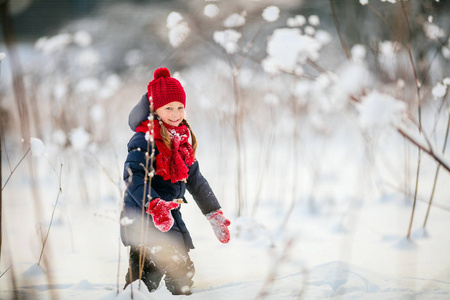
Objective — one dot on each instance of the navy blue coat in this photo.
(134, 174)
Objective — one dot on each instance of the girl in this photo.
(151, 222)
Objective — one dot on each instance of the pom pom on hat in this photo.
(164, 89)
(161, 72)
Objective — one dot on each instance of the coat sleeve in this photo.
(134, 174)
(139, 113)
(200, 190)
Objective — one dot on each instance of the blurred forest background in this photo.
(273, 132)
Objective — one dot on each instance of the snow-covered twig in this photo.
(249, 47)
(149, 160)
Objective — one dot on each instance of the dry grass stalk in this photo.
(53, 214)
(436, 175)
(149, 160)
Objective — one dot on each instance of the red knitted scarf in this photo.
(171, 163)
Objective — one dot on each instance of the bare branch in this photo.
(380, 16)
(5, 271)
(12, 172)
(338, 29)
(428, 150)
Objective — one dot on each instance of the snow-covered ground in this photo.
(355, 249)
(371, 261)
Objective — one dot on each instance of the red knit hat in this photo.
(165, 89)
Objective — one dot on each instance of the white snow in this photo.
(59, 137)
(211, 10)
(388, 56)
(388, 48)
(89, 85)
(297, 21)
(370, 261)
(291, 22)
(287, 48)
(228, 39)
(271, 13)
(88, 58)
(322, 37)
(234, 20)
(125, 221)
(113, 82)
(60, 91)
(379, 110)
(301, 20)
(173, 19)
(82, 38)
(133, 57)
(97, 113)
(439, 90)
(309, 30)
(314, 20)
(148, 136)
(358, 53)
(446, 52)
(54, 44)
(178, 29)
(271, 99)
(79, 138)
(178, 34)
(352, 79)
(433, 31)
(37, 147)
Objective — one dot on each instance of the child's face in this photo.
(172, 113)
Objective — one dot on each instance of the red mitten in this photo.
(219, 224)
(160, 211)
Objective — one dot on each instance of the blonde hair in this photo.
(166, 135)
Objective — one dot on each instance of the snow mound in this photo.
(34, 271)
(248, 229)
(131, 292)
(84, 285)
(125, 296)
(35, 275)
(341, 280)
